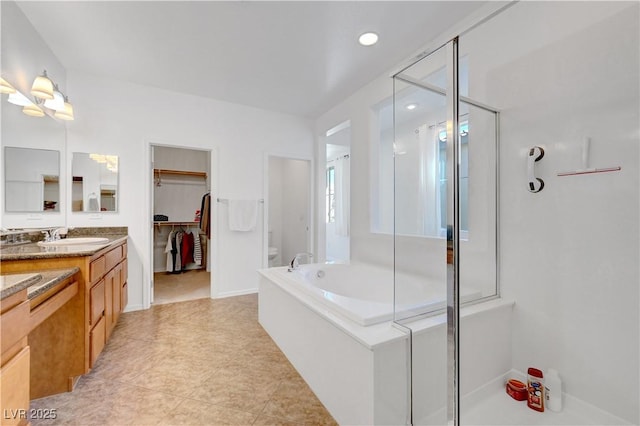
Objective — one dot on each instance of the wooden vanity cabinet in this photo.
(108, 282)
(14, 359)
(93, 311)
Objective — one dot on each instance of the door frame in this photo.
(212, 248)
(310, 207)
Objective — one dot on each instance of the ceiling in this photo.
(300, 58)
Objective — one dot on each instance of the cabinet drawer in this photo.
(14, 325)
(14, 388)
(113, 257)
(98, 335)
(97, 302)
(97, 269)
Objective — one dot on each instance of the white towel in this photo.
(243, 215)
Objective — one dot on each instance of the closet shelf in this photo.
(179, 173)
(169, 223)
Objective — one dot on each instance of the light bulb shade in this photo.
(33, 110)
(57, 103)
(19, 99)
(42, 87)
(66, 113)
(6, 87)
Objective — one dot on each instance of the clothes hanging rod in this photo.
(226, 200)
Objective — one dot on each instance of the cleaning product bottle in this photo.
(554, 390)
(535, 389)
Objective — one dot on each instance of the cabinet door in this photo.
(117, 289)
(97, 302)
(108, 297)
(98, 339)
(14, 325)
(97, 268)
(14, 392)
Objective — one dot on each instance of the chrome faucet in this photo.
(53, 234)
(56, 233)
(295, 262)
(47, 236)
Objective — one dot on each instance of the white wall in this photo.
(125, 119)
(24, 56)
(569, 255)
(178, 196)
(239, 136)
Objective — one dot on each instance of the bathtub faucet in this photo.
(295, 262)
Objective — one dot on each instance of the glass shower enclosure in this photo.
(445, 220)
(491, 275)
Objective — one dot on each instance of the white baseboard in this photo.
(131, 308)
(235, 293)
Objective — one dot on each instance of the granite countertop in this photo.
(36, 282)
(34, 251)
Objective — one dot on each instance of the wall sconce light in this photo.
(6, 87)
(46, 95)
(57, 102)
(33, 110)
(42, 87)
(66, 113)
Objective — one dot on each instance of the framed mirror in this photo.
(31, 180)
(94, 182)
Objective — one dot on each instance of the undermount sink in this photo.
(74, 241)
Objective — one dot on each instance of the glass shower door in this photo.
(445, 222)
(420, 229)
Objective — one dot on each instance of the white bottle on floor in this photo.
(554, 390)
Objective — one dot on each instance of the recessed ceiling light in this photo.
(411, 106)
(368, 39)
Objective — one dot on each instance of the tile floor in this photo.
(201, 362)
(190, 285)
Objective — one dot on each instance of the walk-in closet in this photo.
(181, 228)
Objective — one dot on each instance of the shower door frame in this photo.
(453, 149)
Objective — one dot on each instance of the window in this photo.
(331, 195)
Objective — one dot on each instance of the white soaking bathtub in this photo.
(364, 292)
(334, 324)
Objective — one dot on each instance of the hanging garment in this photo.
(169, 251)
(177, 266)
(205, 213)
(197, 250)
(187, 250)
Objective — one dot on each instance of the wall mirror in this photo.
(31, 180)
(94, 182)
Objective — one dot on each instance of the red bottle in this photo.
(535, 389)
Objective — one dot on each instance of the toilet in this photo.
(272, 253)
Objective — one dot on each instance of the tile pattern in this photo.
(190, 285)
(201, 362)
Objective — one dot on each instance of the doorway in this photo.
(289, 210)
(181, 240)
(338, 193)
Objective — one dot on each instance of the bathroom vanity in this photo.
(59, 305)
